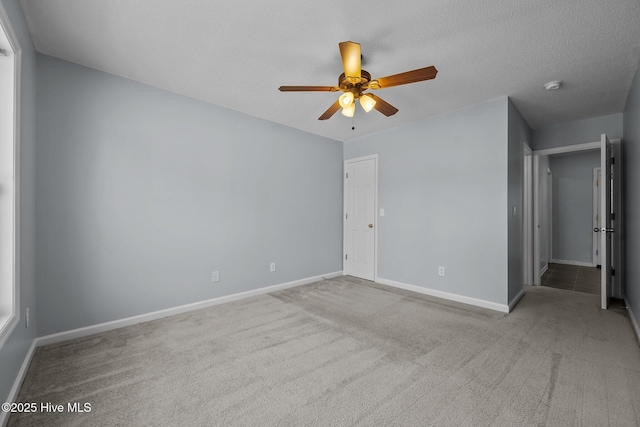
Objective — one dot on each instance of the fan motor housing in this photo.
(346, 86)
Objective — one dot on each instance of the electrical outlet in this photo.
(215, 277)
(381, 211)
(26, 318)
(441, 271)
(272, 267)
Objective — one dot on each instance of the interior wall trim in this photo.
(634, 320)
(115, 324)
(568, 262)
(568, 148)
(13, 318)
(504, 308)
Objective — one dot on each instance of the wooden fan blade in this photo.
(350, 53)
(308, 88)
(383, 106)
(418, 75)
(331, 111)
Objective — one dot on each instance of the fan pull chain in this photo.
(353, 122)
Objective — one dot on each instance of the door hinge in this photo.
(613, 271)
(613, 215)
(347, 175)
(613, 160)
(345, 256)
(346, 216)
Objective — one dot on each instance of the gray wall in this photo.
(573, 205)
(577, 132)
(14, 350)
(631, 184)
(143, 193)
(519, 133)
(443, 185)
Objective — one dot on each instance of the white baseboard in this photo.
(13, 394)
(544, 269)
(634, 320)
(446, 295)
(515, 300)
(578, 263)
(115, 324)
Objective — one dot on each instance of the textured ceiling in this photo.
(236, 54)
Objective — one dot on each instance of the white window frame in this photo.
(9, 321)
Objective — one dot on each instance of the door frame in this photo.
(619, 221)
(528, 240)
(619, 224)
(536, 221)
(606, 202)
(375, 211)
(549, 215)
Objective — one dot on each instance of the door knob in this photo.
(370, 225)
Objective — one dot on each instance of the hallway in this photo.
(572, 278)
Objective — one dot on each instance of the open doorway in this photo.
(568, 203)
(557, 188)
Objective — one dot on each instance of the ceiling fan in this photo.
(355, 81)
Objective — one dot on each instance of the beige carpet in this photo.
(345, 352)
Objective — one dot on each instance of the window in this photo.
(9, 89)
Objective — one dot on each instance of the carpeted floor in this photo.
(346, 352)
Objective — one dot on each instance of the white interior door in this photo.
(606, 153)
(360, 204)
(597, 215)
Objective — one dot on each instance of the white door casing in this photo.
(536, 220)
(527, 220)
(606, 227)
(617, 220)
(360, 226)
(549, 215)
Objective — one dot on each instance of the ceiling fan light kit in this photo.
(346, 99)
(355, 81)
(367, 102)
(349, 110)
